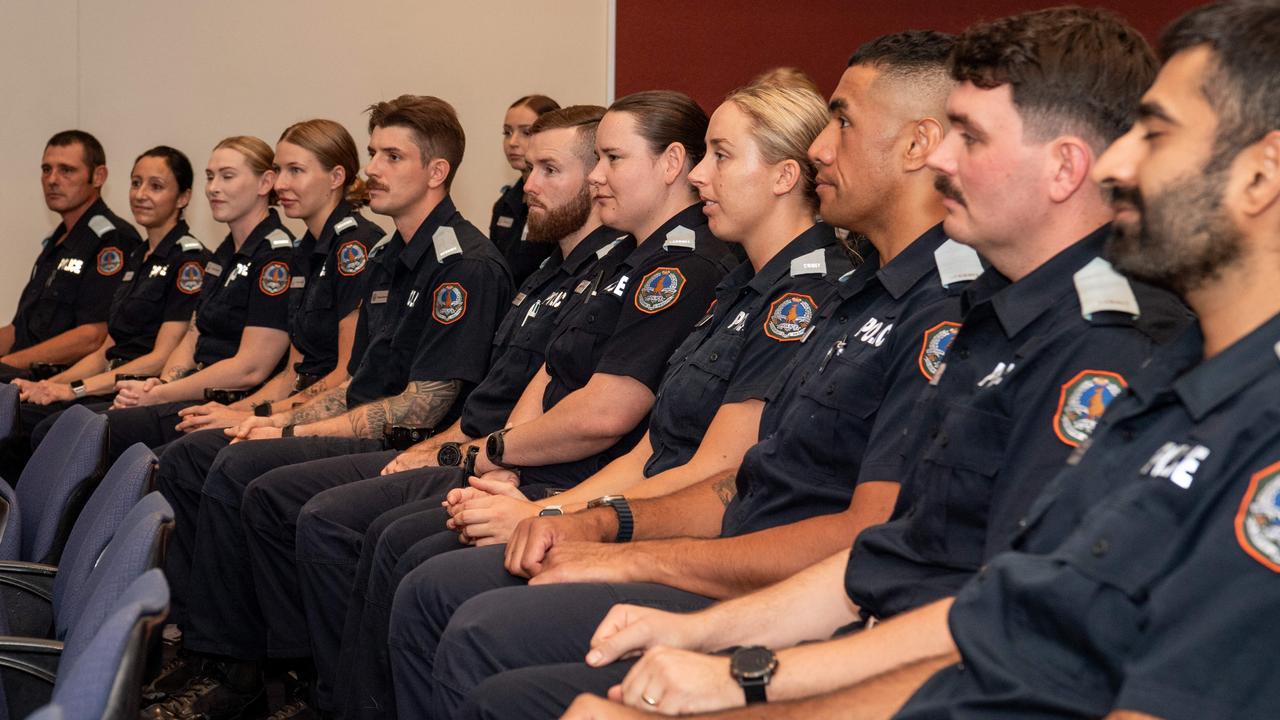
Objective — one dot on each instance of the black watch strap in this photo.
(262, 409)
(495, 448)
(469, 461)
(626, 521)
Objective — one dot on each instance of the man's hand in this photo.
(487, 512)
(266, 432)
(420, 455)
(593, 707)
(535, 537)
(210, 415)
(679, 682)
(43, 392)
(587, 562)
(629, 630)
(246, 426)
(136, 393)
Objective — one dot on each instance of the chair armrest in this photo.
(28, 667)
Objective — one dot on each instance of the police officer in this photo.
(318, 182)
(239, 335)
(431, 306)
(510, 212)
(62, 313)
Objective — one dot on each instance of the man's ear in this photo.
(98, 177)
(437, 172)
(1070, 160)
(926, 135)
(1262, 163)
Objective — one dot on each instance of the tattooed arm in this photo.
(422, 404)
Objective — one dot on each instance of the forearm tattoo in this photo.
(727, 488)
(422, 404)
(330, 404)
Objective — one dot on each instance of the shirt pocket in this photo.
(694, 387)
(837, 406)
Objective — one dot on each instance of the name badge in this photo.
(213, 269)
(506, 222)
(298, 281)
(378, 297)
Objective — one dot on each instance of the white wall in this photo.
(139, 73)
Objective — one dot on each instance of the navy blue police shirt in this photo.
(244, 288)
(1146, 576)
(519, 346)
(509, 231)
(744, 342)
(627, 319)
(327, 286)
(867, 358)
(430, 309)
(1023, 384)
(74, 281)
(156, 288)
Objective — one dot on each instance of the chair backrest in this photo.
(121, 488)
(8, 409)
(52, 711)
(60, 470)
(137, 547)
(100, 674)
(11, 532)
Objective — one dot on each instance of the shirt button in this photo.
(943, 439)
(591, 318)
(713, 357)
(1023, 523)
(963, 353)
(843, 318)
(1100, 547)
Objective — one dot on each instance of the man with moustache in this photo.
(62, 313)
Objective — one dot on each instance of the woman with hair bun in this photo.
(507, 228)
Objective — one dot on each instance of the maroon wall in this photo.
(708, 47)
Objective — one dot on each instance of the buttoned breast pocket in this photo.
(837, 405)
(578, 348)
(697, 380)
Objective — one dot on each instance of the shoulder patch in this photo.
(279, 239)
(100, 225)
(274, 278)
(110, 260)
(344, 225)
(659, 290)
(790, 316)
(445, 242)
(1258, 520)
(449, 303)
(352, 258)
(933, 349)
(190, 244)
(190, 277)
(1102, 289)
(811, 263)
(1081, 403)
(956, 263)
(680, 237)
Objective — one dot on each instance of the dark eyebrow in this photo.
(1153, 110)
(837, 105)
(967, 122)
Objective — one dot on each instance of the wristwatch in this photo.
(449, 455)
(262, 409)
(626, 521)
(287, 431)
(753, 667)
(78, 389)
(469, 461)
(550, 510)
(495, 446)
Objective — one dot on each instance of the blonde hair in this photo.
(333, 147)
(257, 153)
(787, 77)
(785, 120)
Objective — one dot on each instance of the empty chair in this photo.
(58, 480)
(8, 409)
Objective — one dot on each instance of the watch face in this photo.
(753, 662)
(449, 455)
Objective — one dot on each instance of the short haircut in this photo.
(1070, 69)
(907, 52)
(1242, 83)
(176, 161)
(665, 117)
(434, 125)
(94, 155)
(582, 118)
(539, 104)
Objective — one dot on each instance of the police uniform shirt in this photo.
(634, 311)
(73, 281)
(1146, 578)
(869, 355)
(327, 285)
(520, 344)
(508, 231)
(1025, 381)
(244, 288)
(744, 342)
(430, 310)
(154, 289)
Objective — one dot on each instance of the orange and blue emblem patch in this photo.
(933, 349)
(110, 260)
(789, 317)
(1258, 520)
(274, 278)
(1081, 403)
(190, 277)
(659, 290)
(352, 257)
(449, 303)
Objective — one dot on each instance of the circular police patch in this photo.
(352, 257)
(1258, 520)
(789, 317)
(1082, 402)
(190, 277)
(934, 347)
(110, 260)
(274, 278)
(659, 290)
(449, 303)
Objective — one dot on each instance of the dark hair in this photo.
(583, 118)
(907, 52)
(178, 164)
(434, 124)
(94, 155)
(539, 104)
(1242, 82)
(1070, 69)
(664, 117)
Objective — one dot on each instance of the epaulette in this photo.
(344, 225)
(100, 225)
(609, 247)
(956, 263)
(386, 238)
(1101, 289)
(190, 244)
(681, 237)
(811, 263)
(445, 241)
(279, 239)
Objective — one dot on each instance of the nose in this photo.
(698, 175)
(1118, 164)
(943, 158)
(596, 177)
(821, 150)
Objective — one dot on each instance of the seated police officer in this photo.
(1049, 334)
(1144, 575)
(508, 225)
(62, 313)
(432, 303)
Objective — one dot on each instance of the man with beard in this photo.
(1143, 582)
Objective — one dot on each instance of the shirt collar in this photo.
(325, 241)
(691, 217)
(169, 240)
(913, 263)
(1230, 372)
(422, 242)
(586, 250)
(818, 236)
(99, 207)
(259, 233)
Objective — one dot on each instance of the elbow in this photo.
(608, 426)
